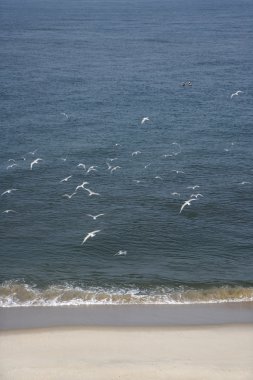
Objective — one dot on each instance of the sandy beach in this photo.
(102, 353)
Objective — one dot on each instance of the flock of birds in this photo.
(111, 168)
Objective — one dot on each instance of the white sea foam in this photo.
(19, 294)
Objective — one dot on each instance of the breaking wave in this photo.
(14, 293)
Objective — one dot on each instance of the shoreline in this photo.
(34, 317)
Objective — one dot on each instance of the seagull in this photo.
(92, 169)
(94, 217)
(178, 171)
(63, 159)
(137, 180)
(33, 153)
(81, 186)
(146, 166)
(64, 114)
(236, 93)
(135, 153)
(196, 195)
(11, 166)
(66, 179)
(186, 203)
(167, 155)
(121, 253)
(193, 187)
(9, 191)
(90, 235)
(115, 168)
(109, 166)
(8, 211)
(245, 183)
(69, 196)
(144, 119)
(80, 165)
(35, 162)
(12, 159)
(112, 159)
(158, 177)
(175, 193)
(91, 192)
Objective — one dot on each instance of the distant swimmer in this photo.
(236, 93)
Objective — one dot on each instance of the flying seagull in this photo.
(80, 165)
(35, 162)
(121, 253)
(94, 217)
(69, 196)
(186, 203)
(90, 192)
(144, 119)
(66, 179)
(90, 235)
(236, 93)
(9, 191)
(81, 186)
(8, 211)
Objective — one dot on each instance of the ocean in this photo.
(77, 80)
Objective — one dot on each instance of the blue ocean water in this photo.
(77, 78)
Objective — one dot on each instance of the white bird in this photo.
(193, 187)
(64, 114)
(69, 196)
(115, 168)
(90, 235)
(35, 162)
(91, 192)
(158, 177)
(236, 93)
(196, 195)
(186, 203)
(109, 166)
(244, 183)
(178, 171)
(8, 211)
(9, 191)
(63, 159)
(146, 166)
(33, 153)
(92, 169)
(80, 165)
(81, 186)
(144, 119)
(11, 166)
(66, 179)
(135, 153)
(121, 253)
(167, 155)
(94, 217)
(175, 193)
(137, 180)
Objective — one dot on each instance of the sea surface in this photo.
(77, 79)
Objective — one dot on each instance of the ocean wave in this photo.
(14, 293)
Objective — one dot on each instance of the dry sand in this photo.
(128, 353)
